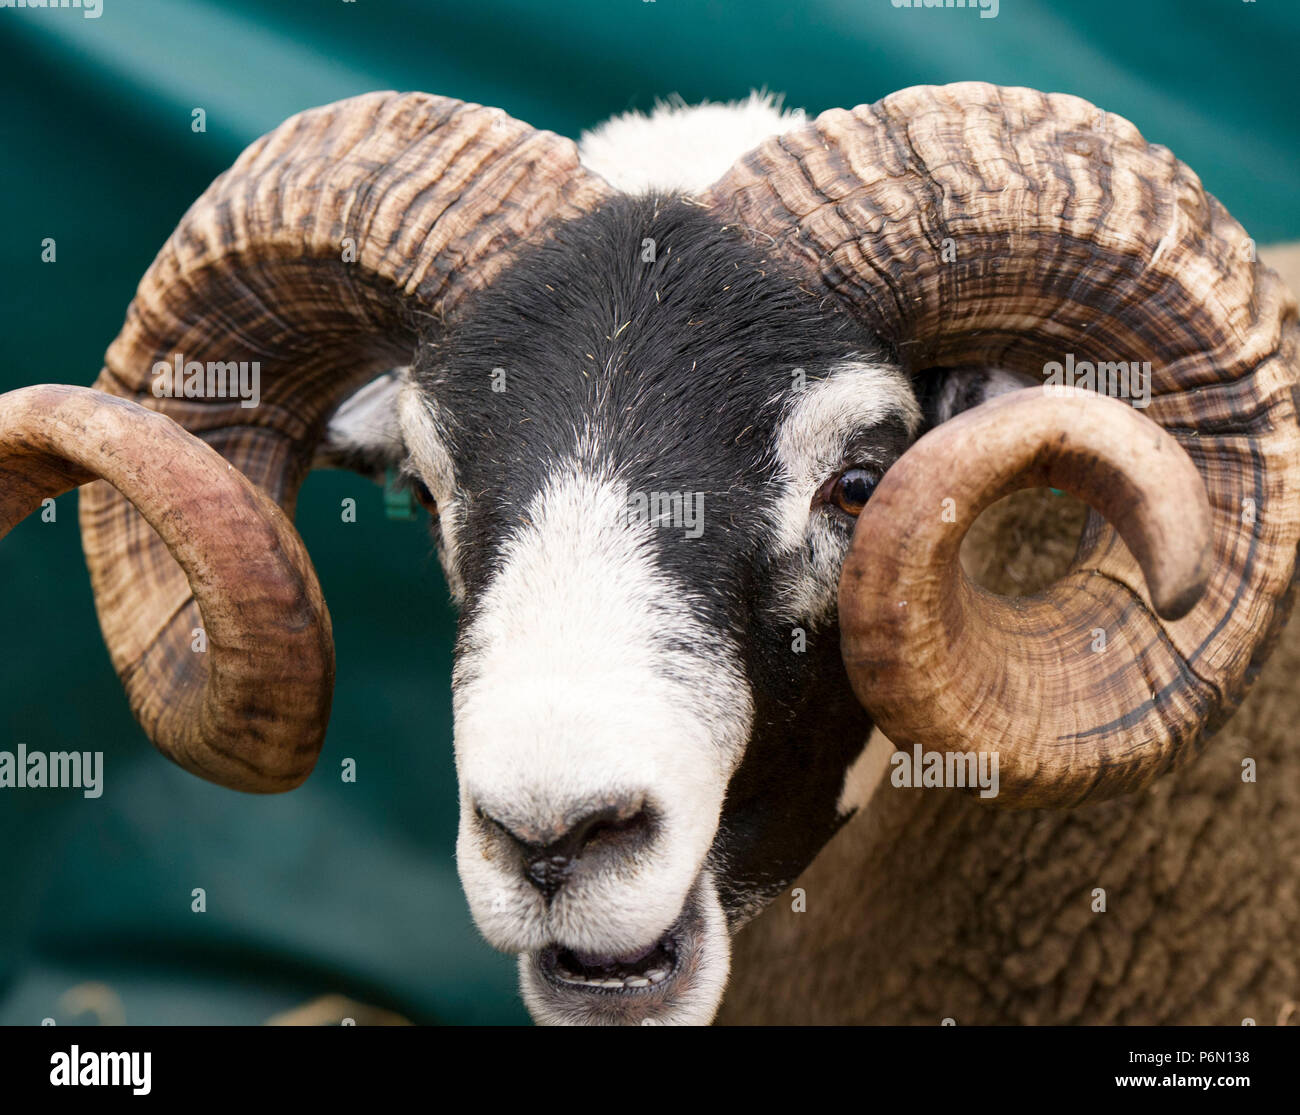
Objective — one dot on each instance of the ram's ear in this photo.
(947, 392)
(364, 435)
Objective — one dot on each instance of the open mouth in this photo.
(642, 970)
(677, 979)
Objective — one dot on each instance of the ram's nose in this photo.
(550, 851)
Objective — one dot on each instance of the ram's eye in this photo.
(423, 495)
(850, 490)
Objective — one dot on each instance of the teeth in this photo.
(608, 981)
(656, 975)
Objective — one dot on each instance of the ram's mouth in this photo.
(679, 978)
(639, 971)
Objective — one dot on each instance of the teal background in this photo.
(352, 887)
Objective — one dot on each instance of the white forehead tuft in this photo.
(680, 147)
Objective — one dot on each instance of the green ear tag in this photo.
(398, 501)
(1056, 491)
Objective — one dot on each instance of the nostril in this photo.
(612, 833)
(610, 825)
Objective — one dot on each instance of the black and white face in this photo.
(647, 451)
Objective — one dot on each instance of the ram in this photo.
(813, 335)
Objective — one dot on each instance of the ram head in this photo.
(699, 465)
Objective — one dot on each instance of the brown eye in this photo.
(424, 496)
(851, 489)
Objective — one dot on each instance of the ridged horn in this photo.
(971, 224)
(323, 254)
(267, 646)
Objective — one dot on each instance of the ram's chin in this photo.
(678, 981)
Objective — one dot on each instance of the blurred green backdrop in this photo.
(352, 888)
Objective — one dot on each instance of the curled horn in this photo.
(971, 224)
(270, 656)
(323, 255)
